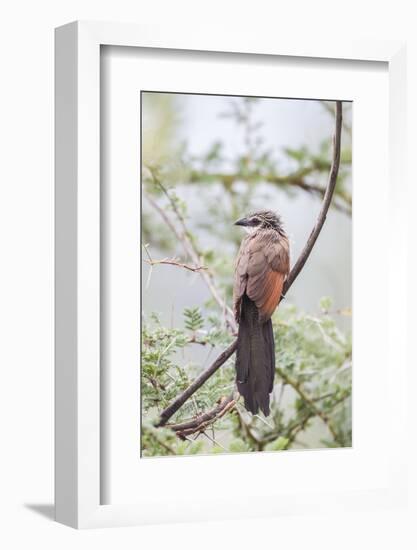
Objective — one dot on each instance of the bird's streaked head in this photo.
(264, 219)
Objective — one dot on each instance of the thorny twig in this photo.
(175, 261)
(201, 422)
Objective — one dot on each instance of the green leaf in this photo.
(296, 154)
(279, 444)
(193, 319)
(239, 446)
(325, 304)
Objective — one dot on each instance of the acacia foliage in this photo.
(313, 385)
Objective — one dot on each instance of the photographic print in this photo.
(246, 286)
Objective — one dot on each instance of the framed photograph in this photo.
(225, 335)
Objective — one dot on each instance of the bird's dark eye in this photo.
(255, 221)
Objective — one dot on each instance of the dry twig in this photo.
(201, 422)
(175, 261)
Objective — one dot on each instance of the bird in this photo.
(261, 269)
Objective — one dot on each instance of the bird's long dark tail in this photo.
(255, 358)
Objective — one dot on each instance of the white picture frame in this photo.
(78, 426)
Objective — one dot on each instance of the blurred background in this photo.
(207, 161)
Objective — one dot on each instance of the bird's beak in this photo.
(242, 221)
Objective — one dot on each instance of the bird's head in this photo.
(264, 219)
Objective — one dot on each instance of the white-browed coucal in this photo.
(262, 266)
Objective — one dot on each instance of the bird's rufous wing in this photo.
(261, 269)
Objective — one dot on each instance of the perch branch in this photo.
(327, 199)
(228, 352)
(198, 382)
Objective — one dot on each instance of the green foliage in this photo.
(311, 403)
(239, 446)
(280, 444)
(193, 319)
(326, 304)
